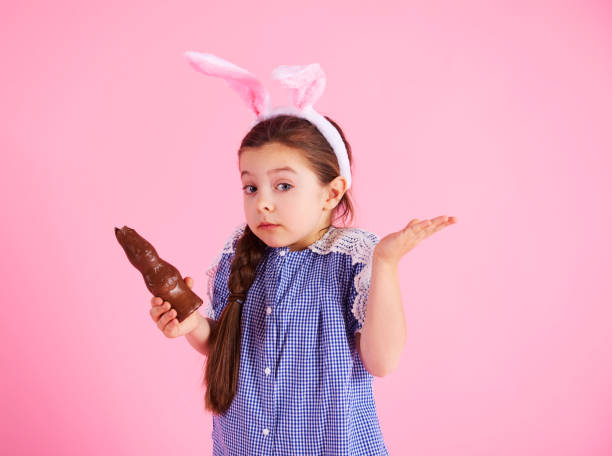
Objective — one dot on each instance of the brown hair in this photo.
(223, 360)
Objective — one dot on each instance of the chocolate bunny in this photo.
(162, 279)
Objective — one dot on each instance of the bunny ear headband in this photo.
(305, 83)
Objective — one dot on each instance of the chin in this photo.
(270, 239)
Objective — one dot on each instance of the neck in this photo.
(317, 235)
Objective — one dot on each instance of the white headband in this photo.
(305, 83)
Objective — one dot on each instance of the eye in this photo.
(250, 193)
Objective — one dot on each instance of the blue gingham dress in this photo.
(302, 387)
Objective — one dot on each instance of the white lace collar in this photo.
(355, 242)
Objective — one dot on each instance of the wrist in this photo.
(384, 262)
(200, 320)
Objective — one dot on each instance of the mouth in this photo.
(267, 225)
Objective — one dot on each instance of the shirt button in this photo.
(267, 371)
(266, 431)
(268, 310)
(282, 252)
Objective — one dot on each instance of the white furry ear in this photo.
(246, 84)
(306, 82)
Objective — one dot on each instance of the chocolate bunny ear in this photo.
(246, 84)
(306, 82)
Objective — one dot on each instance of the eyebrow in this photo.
(275, 170)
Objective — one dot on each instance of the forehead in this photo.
(260, 160)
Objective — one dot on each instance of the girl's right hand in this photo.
(165, 317)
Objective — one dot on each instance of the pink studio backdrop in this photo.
(495, 112)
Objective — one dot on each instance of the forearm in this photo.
(198, 338)
(383, 335)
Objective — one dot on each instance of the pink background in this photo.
(495, 112)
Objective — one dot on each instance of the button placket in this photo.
(270, 405)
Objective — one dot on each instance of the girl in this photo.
(290, 353)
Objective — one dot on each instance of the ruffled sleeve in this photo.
(361, 271)
(217, 276)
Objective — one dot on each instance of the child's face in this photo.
(295, 202)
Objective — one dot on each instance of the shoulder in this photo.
(356, 243)
(220, 268)
(229, 245)
(230, 242)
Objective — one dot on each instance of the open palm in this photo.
(394, 246)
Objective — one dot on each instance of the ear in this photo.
(305, 83)
(247, 85)
(335, 192)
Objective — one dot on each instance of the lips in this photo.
(262, 225)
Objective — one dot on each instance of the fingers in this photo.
(422, 229)
(162, 314)
(441, 220)
(167, 319)
(416, 227)
(438, 223)
(189, 282)
(411, 223)
(158, 309)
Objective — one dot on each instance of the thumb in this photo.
(189, 282)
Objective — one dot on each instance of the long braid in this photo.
(223, 363)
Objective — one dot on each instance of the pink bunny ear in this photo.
(306, 82)
(247, 85)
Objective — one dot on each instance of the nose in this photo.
(264, 204)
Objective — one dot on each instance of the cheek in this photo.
(303, 205)
(247, 205)
(296, 201)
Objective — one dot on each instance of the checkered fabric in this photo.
(302, 389)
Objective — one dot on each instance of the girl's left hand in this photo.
(394, 246)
